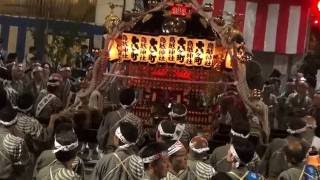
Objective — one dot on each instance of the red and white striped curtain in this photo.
(269, 25)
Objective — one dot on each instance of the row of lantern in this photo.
(167, 49)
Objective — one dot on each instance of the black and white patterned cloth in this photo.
(64, 174)
(28, 125)
(13, 146)
(136, 166)
(204, 171)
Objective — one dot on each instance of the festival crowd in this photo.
(42, 138)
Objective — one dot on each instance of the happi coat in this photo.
(14, 157)
(109, 125)
(47, 157)
(50, 103)
(114, 166)
(57, 171)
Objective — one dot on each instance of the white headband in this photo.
(65, 148)
(175, 148)
(37, 69)
(154, 157)
(53, 83)
(10, 123)
(120, 136)
(234, 133)
(23, 110)
(302, 79)
(162, 133)
(298, 131)
(175, 115)
(235, 155)
(65, 69)
(176, 135)
(200, 150)
(127, 106)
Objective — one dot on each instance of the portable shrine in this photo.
(174, 53)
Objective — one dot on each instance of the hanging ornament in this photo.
(226, 35)
(111, 21)
(174, 25)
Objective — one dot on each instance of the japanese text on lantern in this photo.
(167, 49)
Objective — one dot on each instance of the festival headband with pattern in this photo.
(298, 131)
(234, 133)
(127, 106)
(155, 157)
(175, 115)
(176, 135)
(200, 150)
(162, 133)
(58, 147)
(175, 148)
(120, 136)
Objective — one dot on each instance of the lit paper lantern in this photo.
(199, 52)
(126, 47)
(228, 61)
(144, 49)
(153, 50)
(113, 52)
(172, 50)
(181, 51)
(135, 48)
(163, 50)
(209, 54)
(169, 49)
(189, 52)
